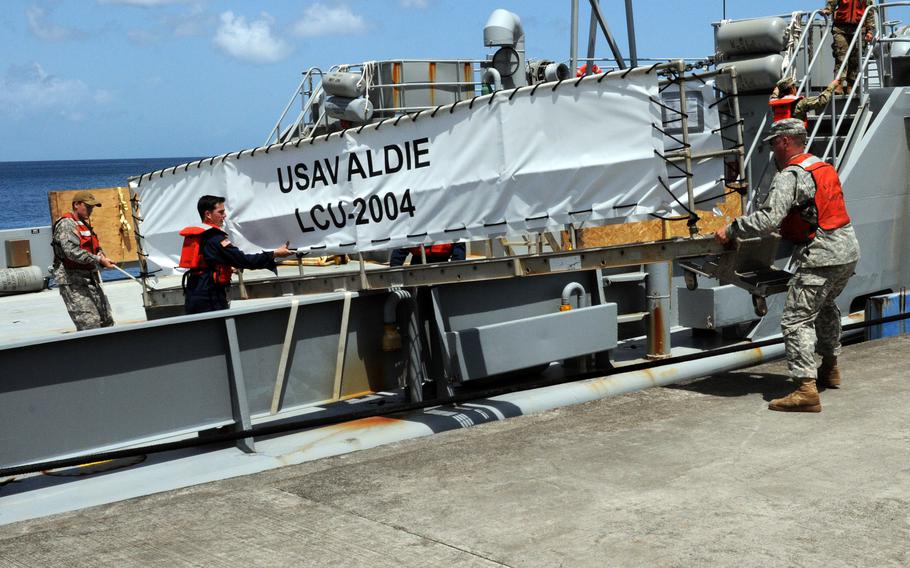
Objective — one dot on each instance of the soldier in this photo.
(785, 104)
(210, 257)
(806, 202)
(77, 257)
(847, 16)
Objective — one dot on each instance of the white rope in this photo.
(794, 31)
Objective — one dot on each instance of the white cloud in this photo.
(42, 28)
(322, 20)
(414, 3)
(192, 22)
(252, 41)
(141, 3)
(28, 89)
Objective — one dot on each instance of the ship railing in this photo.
(802, 47)
(387, 89)
(859, 91)
(308, 92)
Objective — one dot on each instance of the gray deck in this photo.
(696, 475)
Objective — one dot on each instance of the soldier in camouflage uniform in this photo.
(811, 319)
(847, 15)
(801, 106)
(77, 258)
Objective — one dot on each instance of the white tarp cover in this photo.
(579, 153)
(704, 137)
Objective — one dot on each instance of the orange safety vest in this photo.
(191, 254)
(850, 12)
(828, 201)
(88, 241)
(580, 72)
(783, 107)
(434, 250)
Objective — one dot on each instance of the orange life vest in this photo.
(191, 256)
(581, 71)
(828, 201)
(850, 12)
(783, 108)
(88, 241)
(434, 250)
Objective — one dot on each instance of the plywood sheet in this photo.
(113, 221)
(658, 229)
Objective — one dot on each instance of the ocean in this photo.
(24, 185)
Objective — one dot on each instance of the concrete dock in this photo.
(695, 475)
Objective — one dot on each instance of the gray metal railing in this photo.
(860, 89)
(801, 47)
(307, 92)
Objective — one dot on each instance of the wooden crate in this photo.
(112, 222)
(658, 229)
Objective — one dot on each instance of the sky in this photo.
(104, 79)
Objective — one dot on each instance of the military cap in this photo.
(87, 198)
(786, 84)
(786, 127)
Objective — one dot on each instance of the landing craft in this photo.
(564, 276)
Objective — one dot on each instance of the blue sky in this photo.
(94, 79)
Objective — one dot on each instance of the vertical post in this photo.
(657, 292)
(740, 153)
(595, 10)
(281, 376)
(592, 42)
(240, 407)
(143, 264)
(687, 148)
(573, 44)
(805, 48)
(630, 28)
(413, 373)
(342, 346)
(364, 283)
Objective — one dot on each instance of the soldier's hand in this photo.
(106, 262)
(834, 83)
(720, 235)
(825, 12)
(868, 37)
(283, 251)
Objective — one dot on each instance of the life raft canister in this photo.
(434, 250)
(850, 11)
(88, 241)
(783, 107)
(191, 254)
(828, 201)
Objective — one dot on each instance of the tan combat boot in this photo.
(829, 374)
(803, 399)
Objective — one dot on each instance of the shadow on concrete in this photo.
(769, 385)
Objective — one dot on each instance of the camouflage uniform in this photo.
(80, 289)
(802, 107)
(817, 103)
(842, 35)
(811, 320)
